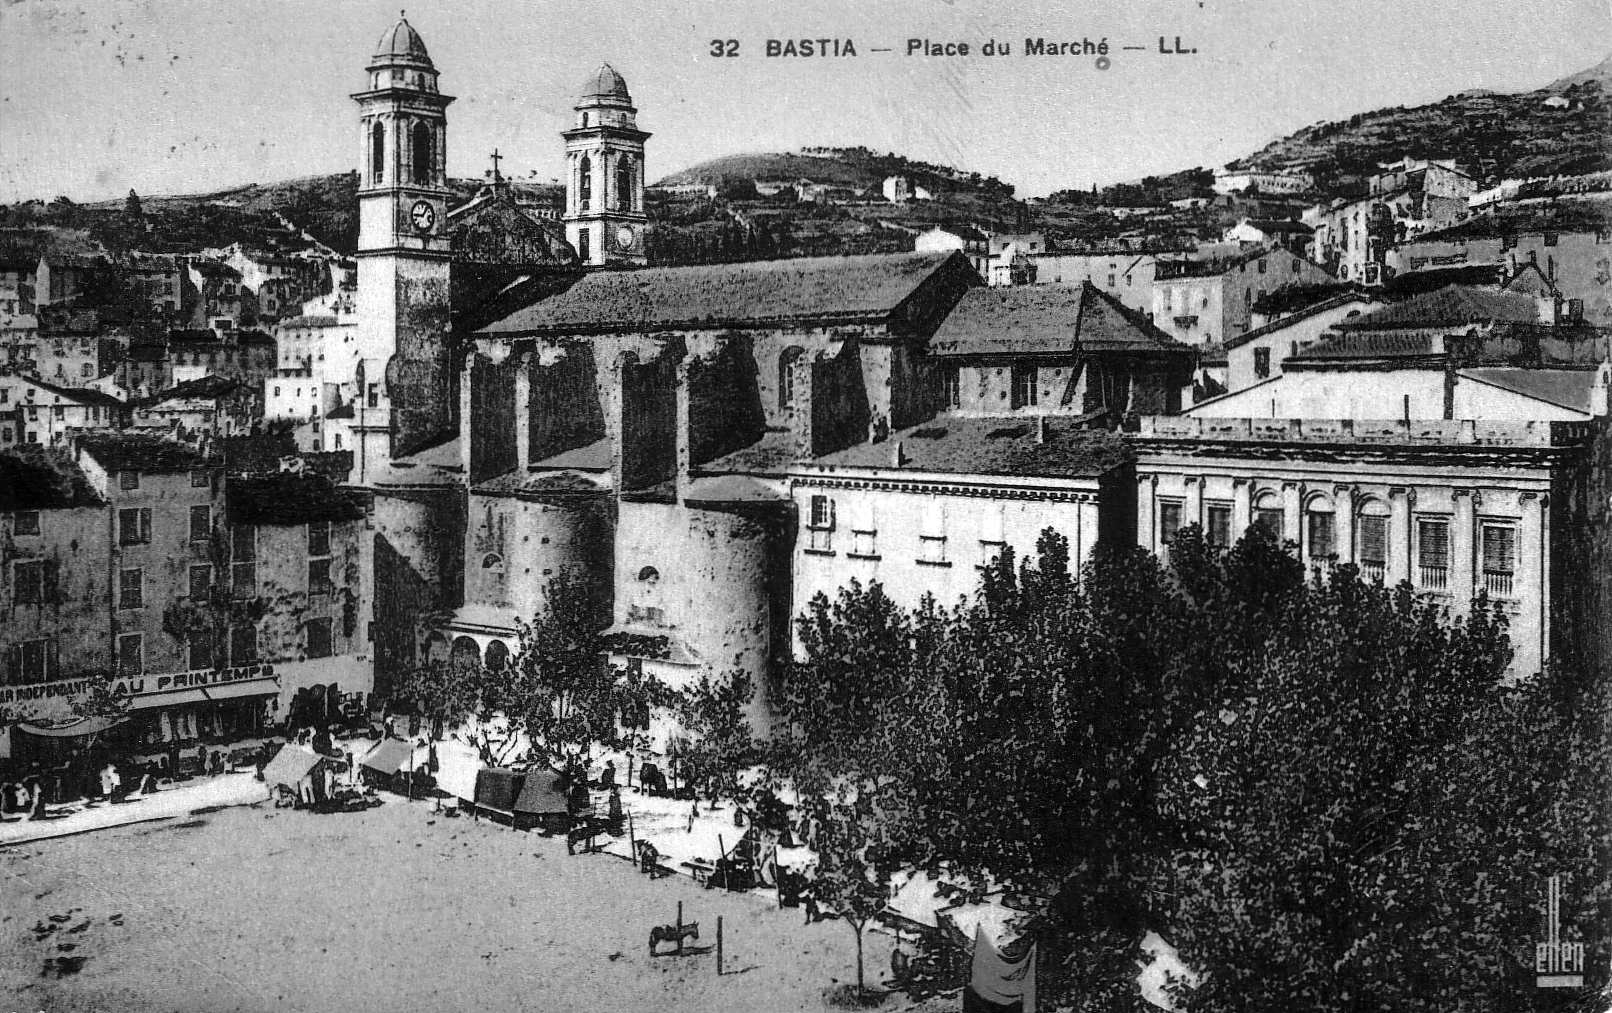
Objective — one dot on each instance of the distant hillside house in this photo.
(1295, 236)
(1244, 180)
(1125, 275)
(49, 415)
(899, 189)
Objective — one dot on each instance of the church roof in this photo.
(604, 84)
(1045, 320)
(759, 293)
(401, 41)
(957, 445)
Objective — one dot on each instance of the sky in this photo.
(182, 96)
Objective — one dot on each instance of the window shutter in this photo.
(14, 663)
(1499, 549)
(991, 530)
(53, 661)
(934, 522)
(862, 515)
(145, 524)
(1373, 539)
(52, 568)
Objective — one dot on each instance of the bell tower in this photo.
(403, 250)
(605, 220)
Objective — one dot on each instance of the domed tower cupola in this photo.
(401, 60)
(604, 193)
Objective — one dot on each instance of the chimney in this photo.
(525, 364)
(1601, 391)
(897, 456)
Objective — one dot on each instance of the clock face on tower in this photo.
(424, 216)
(626, 236)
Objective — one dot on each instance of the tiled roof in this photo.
(990, 446)
(550, 483)
(248, 454)
(770, 455)
(83, 395)
(595, 456)
(1044, 320)
(1452, 306)
(140, 452)
(1551, 216)
(1292, 318)
(209, 386)
(1367, 345)
(1269, 225)
(1567, 388)
(288, 498)
(33, 478)
(767, 291)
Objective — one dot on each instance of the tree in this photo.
(558, 689)
(720, 741)
(131, 205)
(855, 863)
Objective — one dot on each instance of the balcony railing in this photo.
(1373, 571)
(1497, 585)
(1433, 578)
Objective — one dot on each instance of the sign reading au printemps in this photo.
(1557, 964)
(143, 685)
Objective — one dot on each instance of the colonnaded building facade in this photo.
(707, 447)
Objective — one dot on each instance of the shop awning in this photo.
(83, 726)
(388, 756)
(172, 698)
(250, 687)
(290, 765)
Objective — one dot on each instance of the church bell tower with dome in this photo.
(605, 220)
(403, 249)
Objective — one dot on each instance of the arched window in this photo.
(786, 376)
(1371, 539)
(649, 573)
(624, 187)
(493, 561)
(377, 153)
(424, 156)
(1268, 513)
(466, 654)
(1320, 530)
(585, 183)
(497, 656)
(436, 649)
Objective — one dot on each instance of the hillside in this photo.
(854, 168)
(1497, 136)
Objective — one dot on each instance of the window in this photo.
(864, 543)
(1550, 239)
(1433, 554)
(1169, 520)
(128, 480)
(200, 480)
(32, 661)
(277, 392)
(319, 576)
(786, 376)
(1262, 267)
(131, 588)
(1319, 532)
(1268, 514)
(1217, 528)
(134, 526)
(377, 153)
(421, 145)
(1024, 387)
(1262, 362)
(1371, 539)
(242, 645)
(374, 395)
(952, 384)
(201, 523)
(584, 190)
(200, 649)
(319, 538)
(1508, 240)
(25, 522)
(1499, 559)
(820, 524)
(932, 535)
(33, 582)
(131, 654)
(624, 187)
(201, 582)
(318, 638)
(56, 411)
(87, 369)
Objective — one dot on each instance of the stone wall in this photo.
(492, 423)
(725, 410)
(565, 410)
(646, 430)
(419, 569)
